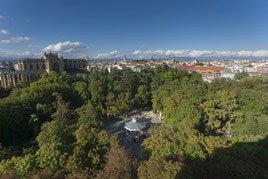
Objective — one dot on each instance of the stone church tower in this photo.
(53, 62)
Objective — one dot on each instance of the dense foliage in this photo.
(52, 128)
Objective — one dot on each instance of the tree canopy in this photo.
(53, 128)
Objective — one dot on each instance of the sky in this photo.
(137, 29)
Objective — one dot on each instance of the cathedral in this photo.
(29, 70)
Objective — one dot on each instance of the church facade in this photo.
(29, 70)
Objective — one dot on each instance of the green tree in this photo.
(82, 89)
(98, 90)
(158, 169)
(240, 75)
(124, 102)
(88, 115)
(55, 139)
(14, 117)
(221, 109)
(55, 143)
(63, 111)
(241, 160)
(119, 164)
(129, 83)
(161, 143)
(221, 84)
(163, 91)
(143, 96)
(111, 104)
(254, 106)
(177, 108)
(22, 165)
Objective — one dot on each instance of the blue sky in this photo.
(136, 29)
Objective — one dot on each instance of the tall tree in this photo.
(158, 169)
(221, 109)
(119, 164)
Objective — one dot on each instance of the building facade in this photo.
(208, 73)
(30, 70)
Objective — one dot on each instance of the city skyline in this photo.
(136, 29)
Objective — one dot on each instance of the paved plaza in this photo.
(132, 140)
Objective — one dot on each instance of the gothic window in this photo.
(31, 66)
(37, 66)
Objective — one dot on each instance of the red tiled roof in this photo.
(201, 68)
(205, 68)
(184, 67)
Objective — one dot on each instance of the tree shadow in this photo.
(241, 160)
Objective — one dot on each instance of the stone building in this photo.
(29, 70)
(205, 71)
(208, 73)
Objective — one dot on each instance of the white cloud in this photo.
(18, 55)
(136, 52)
(197, 53)
(77, 50)
(68, 49)
(113, 54)
(2, 17)
(260, 53)
(146, 54)
(15, 40)
(4, 32)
